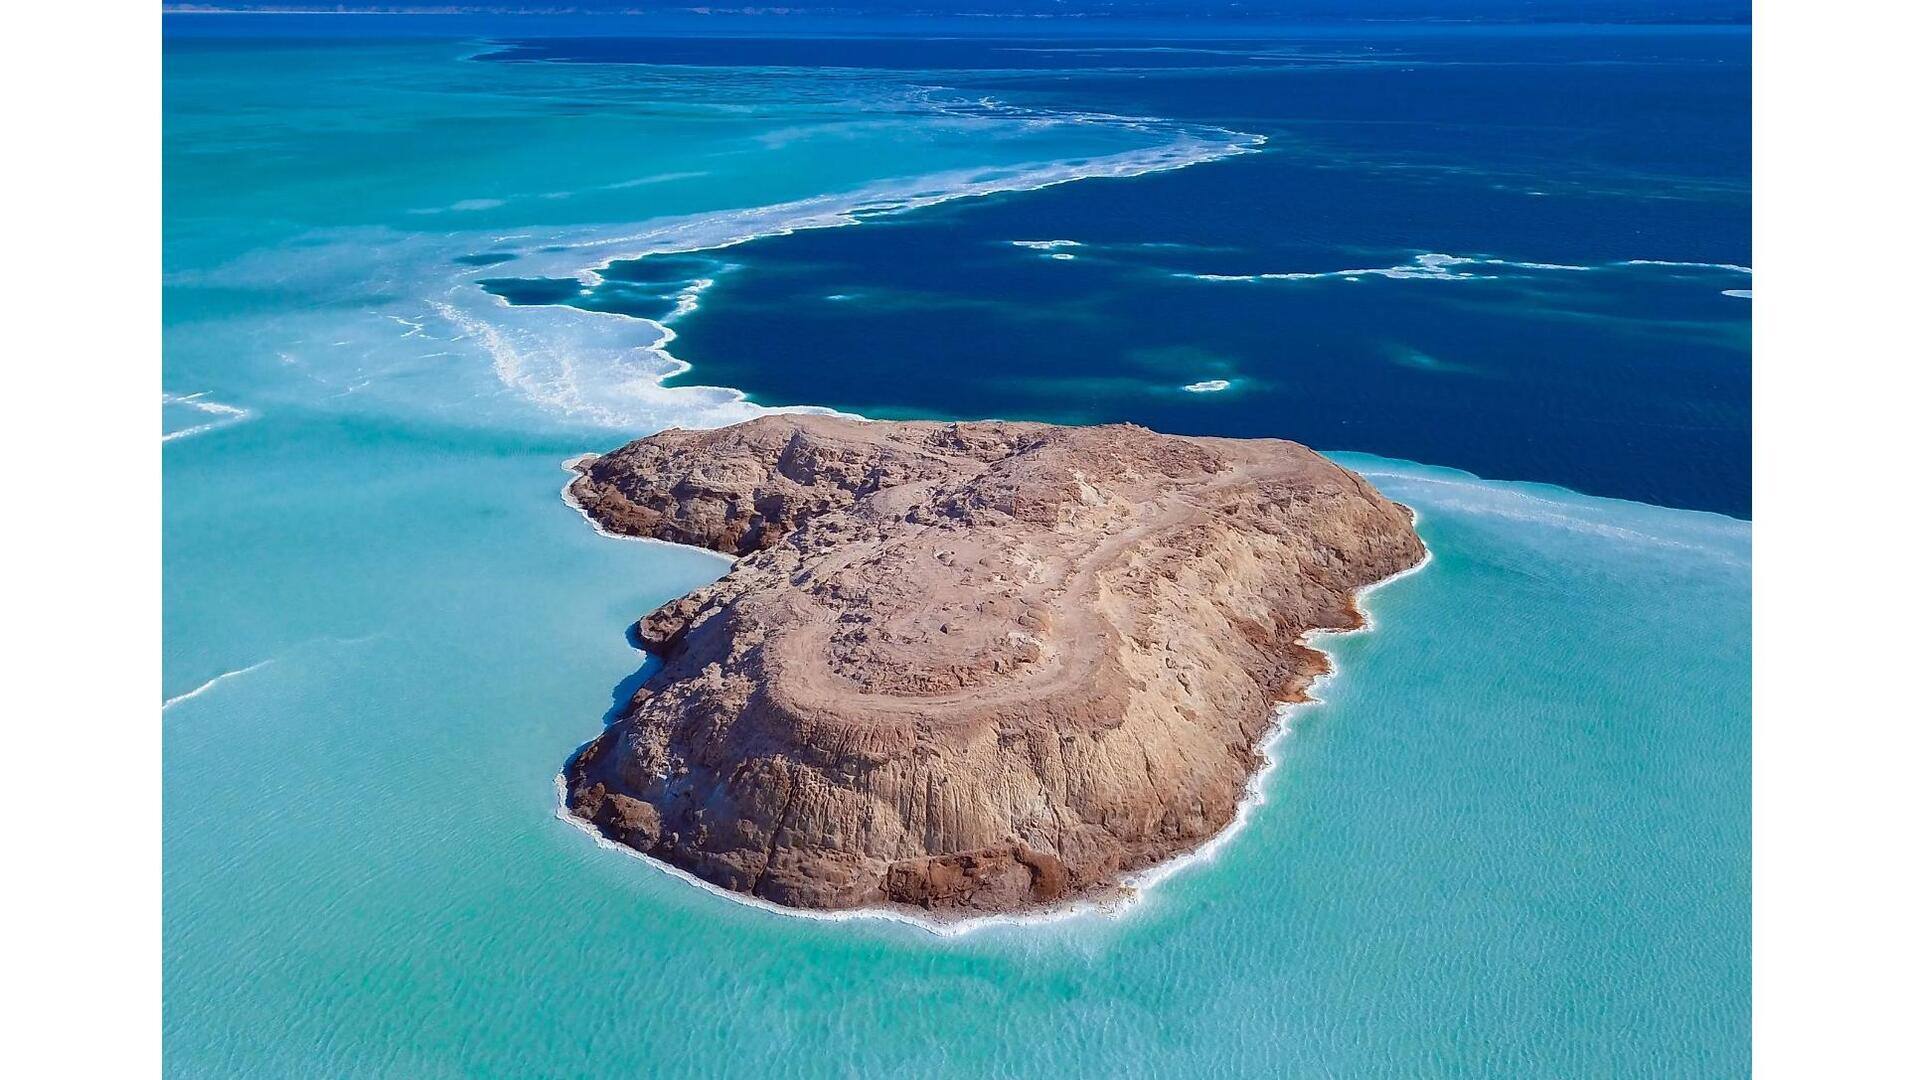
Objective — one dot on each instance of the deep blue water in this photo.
(1590, 154)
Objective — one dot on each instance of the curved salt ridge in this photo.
(211, 683)
(1132, 887)
(1681, 265)
(687, 300)
(228, 415)
(224, 676)
(1439, 266)
(1430, 266)
(656, 178)
(723, 229)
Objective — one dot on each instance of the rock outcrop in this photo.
(965, 668)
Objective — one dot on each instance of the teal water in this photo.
(1512, 841)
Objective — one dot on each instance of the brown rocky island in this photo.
(965, 668)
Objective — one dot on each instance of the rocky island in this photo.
(965, 668)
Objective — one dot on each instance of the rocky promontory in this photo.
(965, 668)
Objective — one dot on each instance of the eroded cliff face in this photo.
(966, 668)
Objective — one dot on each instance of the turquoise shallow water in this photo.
(1512, 841)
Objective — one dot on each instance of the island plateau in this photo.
(965, 668)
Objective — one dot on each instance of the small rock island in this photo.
(965, 668)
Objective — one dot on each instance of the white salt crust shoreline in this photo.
(1133, 887)
(712, 232)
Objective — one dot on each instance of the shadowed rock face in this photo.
(965, 668)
